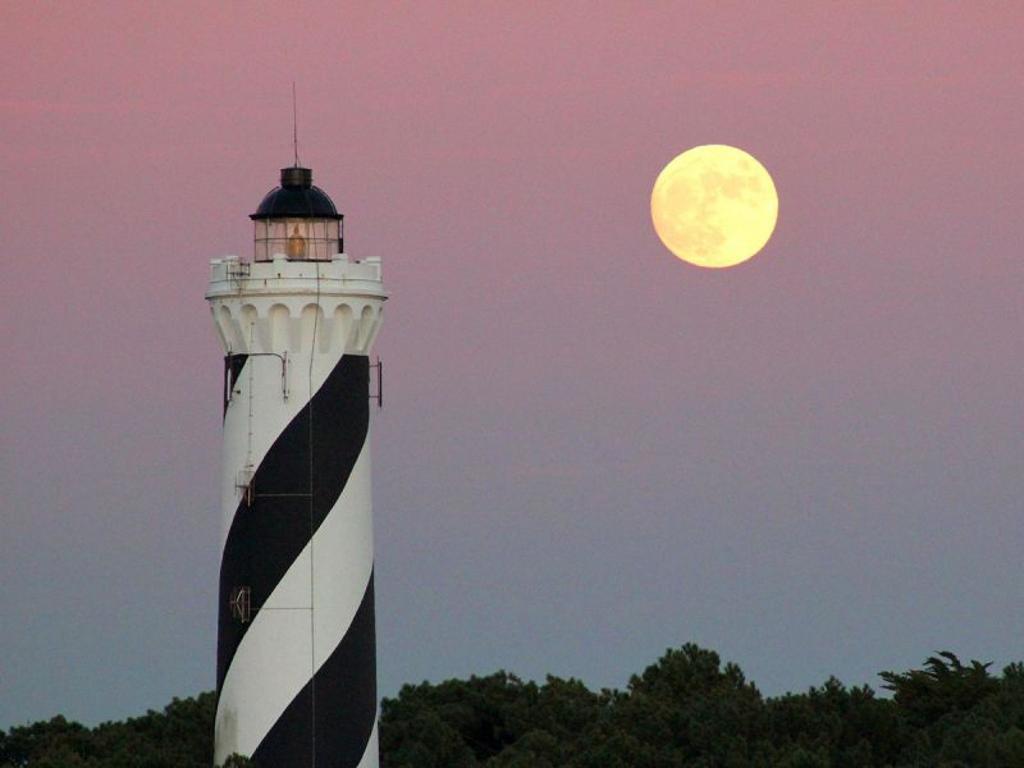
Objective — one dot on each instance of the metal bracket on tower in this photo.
(379, 397)
(283, 357)
(244, 482)
(238, 271)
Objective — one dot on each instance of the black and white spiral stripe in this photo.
(297, 682)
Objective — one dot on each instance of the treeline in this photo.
(687, 709)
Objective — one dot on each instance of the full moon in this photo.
(714, 206)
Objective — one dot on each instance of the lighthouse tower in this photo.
(296, 667)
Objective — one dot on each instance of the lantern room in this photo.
(298, 220)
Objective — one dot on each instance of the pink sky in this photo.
(590, 451)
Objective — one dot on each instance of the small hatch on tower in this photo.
(241, 604)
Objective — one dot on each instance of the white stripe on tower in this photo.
(370, 757)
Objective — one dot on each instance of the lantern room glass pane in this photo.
(297, 239)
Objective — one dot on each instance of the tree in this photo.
(944, 687)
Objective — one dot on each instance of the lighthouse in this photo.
(296, 659)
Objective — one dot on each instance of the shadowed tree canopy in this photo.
(686, 709)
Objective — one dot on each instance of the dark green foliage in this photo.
(179, 737)
(687, 710)
(944, 688)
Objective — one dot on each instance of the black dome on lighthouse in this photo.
(296, 198)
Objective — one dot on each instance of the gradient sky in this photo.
(589, 450)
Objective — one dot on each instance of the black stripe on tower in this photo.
(346, 705)
(267, 535)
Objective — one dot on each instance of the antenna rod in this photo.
(295, 125)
